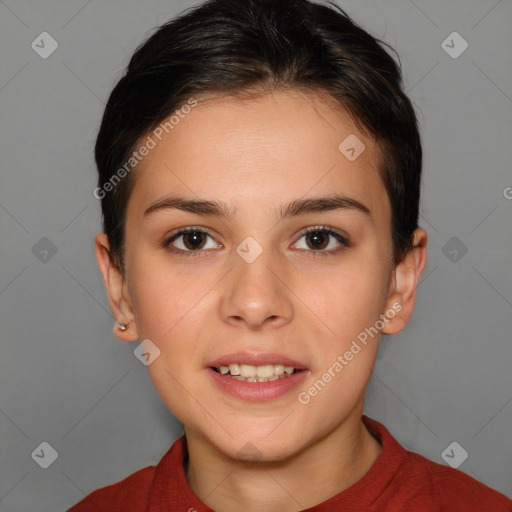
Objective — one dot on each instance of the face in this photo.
(276, 279)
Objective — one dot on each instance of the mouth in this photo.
(257, 377)
(261, 373)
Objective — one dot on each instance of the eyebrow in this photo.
(293, 209)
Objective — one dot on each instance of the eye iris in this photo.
(196, 236)
(317, 237)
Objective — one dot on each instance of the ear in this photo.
(117, 291)
(403, 283)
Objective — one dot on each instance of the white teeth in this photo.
(250, 373)
(234, 369)
(265, 371)
(246, 370)
(278, 369)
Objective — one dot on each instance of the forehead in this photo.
(261, 152)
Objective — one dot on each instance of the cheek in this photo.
(167, 310)
(171, 309)
(344, 387)
(350, 298)
(166, 301)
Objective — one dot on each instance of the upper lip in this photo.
(255, 359)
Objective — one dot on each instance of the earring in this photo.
(121, 326)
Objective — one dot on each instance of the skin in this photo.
(256, 155)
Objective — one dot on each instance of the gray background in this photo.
(64, 377)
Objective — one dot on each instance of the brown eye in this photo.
(318, 238)
(189, 241)
(194, 240)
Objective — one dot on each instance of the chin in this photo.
(258, 445)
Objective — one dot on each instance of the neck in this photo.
(321, 470)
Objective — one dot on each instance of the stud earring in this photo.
(121, 326)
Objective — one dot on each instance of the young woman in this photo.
(259, 176)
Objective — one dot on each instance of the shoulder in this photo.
(133, 494)
(134, 490)
(411, 482)
(450, 489)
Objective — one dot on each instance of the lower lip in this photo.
(258, 391)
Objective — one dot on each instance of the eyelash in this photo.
(311, 253)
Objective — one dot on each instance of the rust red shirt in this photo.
(399, 480)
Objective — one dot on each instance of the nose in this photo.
(256, 295)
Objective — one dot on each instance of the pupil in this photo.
(196, 236)
(315, 235)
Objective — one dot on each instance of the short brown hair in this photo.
(230, 46)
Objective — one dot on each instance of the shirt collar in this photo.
(170, 490)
